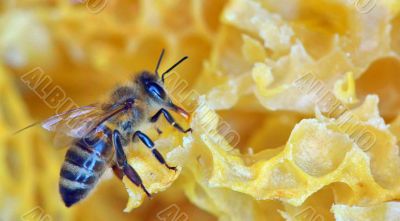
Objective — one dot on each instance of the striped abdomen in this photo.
(85, 162)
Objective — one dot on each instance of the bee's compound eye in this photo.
(155, 90)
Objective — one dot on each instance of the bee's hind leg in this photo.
(150, 144)
(170, 120)
(123, 163)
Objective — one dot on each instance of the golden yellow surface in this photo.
(268, 71)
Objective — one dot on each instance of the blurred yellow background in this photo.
(244, 57)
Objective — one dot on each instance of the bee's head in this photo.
(152, 85)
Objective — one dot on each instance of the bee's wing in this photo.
(76, 123)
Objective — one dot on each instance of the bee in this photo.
(100, 133)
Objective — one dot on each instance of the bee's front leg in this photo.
(150, 144)
(123, 163)
(170, 120)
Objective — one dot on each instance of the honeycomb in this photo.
(295, 107)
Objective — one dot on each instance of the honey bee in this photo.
(100, 132)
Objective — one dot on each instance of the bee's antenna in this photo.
(159, 61)
(173, 66)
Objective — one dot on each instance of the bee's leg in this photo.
(118, 171)
(149, 143)
(170, 120)
(123, 163)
